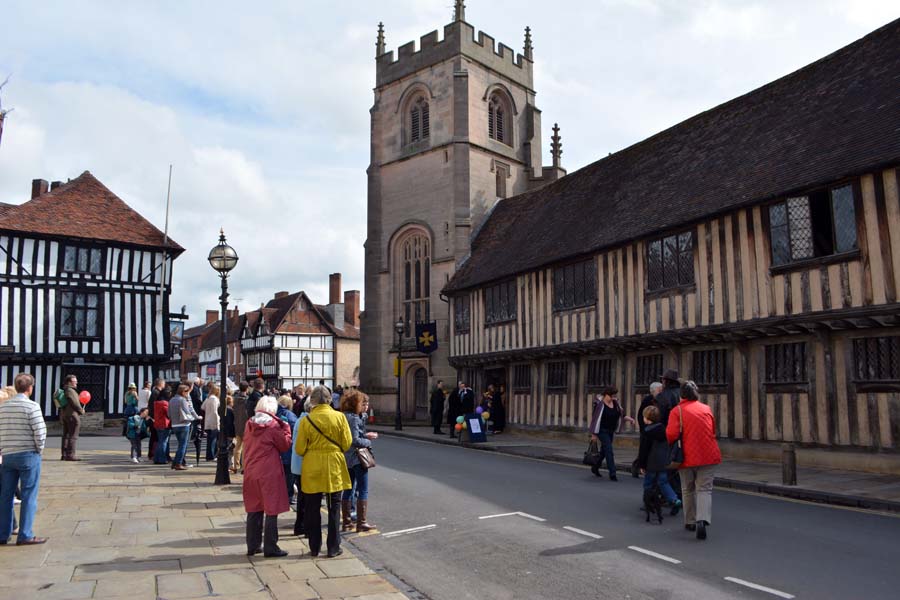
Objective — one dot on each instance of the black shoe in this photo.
(254, 552)
(277, 553)
(438, 432)
(690, 526)
(337, 552)
(613, 478)
(701, 530)
(596, 471)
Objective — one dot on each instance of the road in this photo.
(796, 549)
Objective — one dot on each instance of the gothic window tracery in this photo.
(415, 286)
(419, 120)
(498, 119)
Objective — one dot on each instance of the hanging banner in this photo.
(426, 337)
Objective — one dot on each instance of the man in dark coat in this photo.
(70, 415)
(437, 407)
(670, 396)
(466, 400)
(454, 409)
(259, 385)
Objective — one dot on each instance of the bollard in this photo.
(788, 464)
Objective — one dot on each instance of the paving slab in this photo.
(292, 590)
(181, 585)
(139, 586)
(343, 568)
(351, 587)
(77, 590)
(235, 581)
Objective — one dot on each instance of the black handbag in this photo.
(592, 457)
(676, 452)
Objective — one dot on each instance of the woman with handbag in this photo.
(322, 439)
(692, 424)
(606, 420)
(359, 458)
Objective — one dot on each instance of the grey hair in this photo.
(307, 405)
(655, 386)
(320, 395)
(267, 404)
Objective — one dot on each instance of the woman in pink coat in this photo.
(265, 438)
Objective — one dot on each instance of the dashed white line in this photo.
(500, 515)
(514, 514)
(406, 531)
(583, 532)
(674, 561)
(761, 588)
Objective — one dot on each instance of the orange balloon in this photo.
(458, 427)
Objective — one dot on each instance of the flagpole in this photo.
(165, 258)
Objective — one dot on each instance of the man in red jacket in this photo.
(693, 422)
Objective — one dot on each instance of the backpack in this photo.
(59, 398)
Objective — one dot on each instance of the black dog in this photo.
(653, 502)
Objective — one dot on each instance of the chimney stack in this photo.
(55, 185)
(212, 316)
(39, 187)
(281, 295)
(351, 307)
(334, 288)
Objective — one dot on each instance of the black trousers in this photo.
(313, 522)
(436, 422)
(299, 524)
(255, 532)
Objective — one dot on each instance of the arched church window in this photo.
(498, 119)
(416, 284)
(419, 120)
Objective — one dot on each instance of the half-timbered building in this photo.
(755, 248)
(210, 357)
(84, 289)
(291, 341)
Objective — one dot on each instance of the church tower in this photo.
(454, 129)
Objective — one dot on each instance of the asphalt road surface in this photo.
(429, 502)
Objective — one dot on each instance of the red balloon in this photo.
(84, 396)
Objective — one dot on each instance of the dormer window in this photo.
(419, 120)
(498, 119)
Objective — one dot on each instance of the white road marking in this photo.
(674, 561)
(500, 515)
(532, 517)
(761, 588)
(583, 532)
(513, 514)
(410, 530)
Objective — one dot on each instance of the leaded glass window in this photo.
(500, 302)
(877, 359)
(710, 367)
(786, 363)
(558, 375)
(670, 261)
(599, 373)
(77, 259)
(821, 223)
(575, 285)
(462, 313)
(79, 315)
(647, 369)
(522, 378)
(416, 286)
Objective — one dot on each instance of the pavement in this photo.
(136, 531)
(461, 524)
(829, 486)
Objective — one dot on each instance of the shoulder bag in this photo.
(676, 452)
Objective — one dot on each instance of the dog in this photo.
(653, 502)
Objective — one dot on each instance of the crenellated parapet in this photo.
(459, 38)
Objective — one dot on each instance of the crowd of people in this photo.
(461, 402)
(678, 448)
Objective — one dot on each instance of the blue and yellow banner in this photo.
(426, 337)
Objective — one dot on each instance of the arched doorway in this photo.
(420, 393)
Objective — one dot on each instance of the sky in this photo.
(262, 108)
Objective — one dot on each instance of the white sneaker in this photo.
(134, 460)
(16, 501)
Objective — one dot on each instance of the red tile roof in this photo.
(4, 208)
(84, 208)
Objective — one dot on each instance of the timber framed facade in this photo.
(768, 274)
(82, 291)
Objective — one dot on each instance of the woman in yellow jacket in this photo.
(322, 438)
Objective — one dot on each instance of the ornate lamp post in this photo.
(305, 370)
(223, 259)
(398, 327)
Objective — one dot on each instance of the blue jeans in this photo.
(182, 434)
(660, 478)
(19, 469)
(359, 476)
(162, 447)
(212, 437)
(606, 451)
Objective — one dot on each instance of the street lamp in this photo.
(223, 259)
(306, 369)
(398, 327)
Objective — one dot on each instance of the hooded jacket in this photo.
(324, 466)
(265, 438)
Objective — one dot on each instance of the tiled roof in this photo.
(84, 208)
(4, 208)
(837, 117)
(212, 336)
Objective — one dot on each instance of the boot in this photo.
(362, 508)
(346, 523)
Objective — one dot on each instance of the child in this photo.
(653, 457)
(228, 430)
(136, 430)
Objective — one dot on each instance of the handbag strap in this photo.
(316, 427)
